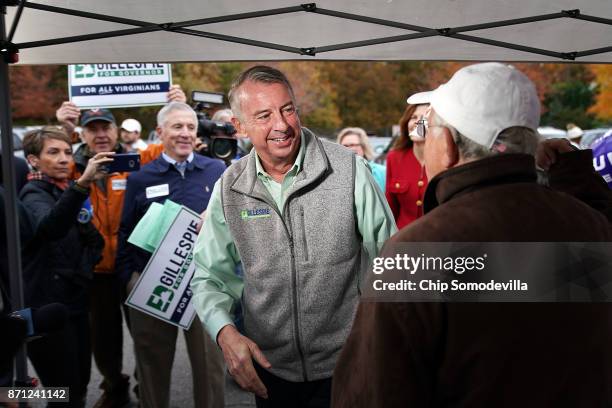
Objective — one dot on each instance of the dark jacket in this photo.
(192, 190)
(21, 172)
(489, 354)
(66, 249)
(25, 235)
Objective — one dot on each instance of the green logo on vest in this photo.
(255, 213)
(160, 298)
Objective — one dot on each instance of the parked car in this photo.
(550, 132)
(591, 135)
(21, 131)
(17, 145)
(379, 144)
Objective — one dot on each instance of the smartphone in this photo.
(124, 162)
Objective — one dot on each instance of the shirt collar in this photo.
(297, 165)
(172, 161)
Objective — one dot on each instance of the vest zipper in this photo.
(296, 326)
(303, 225)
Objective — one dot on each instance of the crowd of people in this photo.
(463, 169)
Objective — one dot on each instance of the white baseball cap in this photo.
(482, 100)
(131, 125)
(419, 98)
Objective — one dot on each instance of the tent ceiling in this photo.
(301, 29)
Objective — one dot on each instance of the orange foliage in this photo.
(603, 102)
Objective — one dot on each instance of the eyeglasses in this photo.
(422, 125)
(352, 145)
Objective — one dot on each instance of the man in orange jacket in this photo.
(100, 134)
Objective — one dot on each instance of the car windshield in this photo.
(17, 145)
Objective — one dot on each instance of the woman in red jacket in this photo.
(406, 178)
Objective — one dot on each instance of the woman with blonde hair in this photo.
(406, 178)
(357, 140)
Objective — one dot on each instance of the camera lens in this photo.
(223, 148)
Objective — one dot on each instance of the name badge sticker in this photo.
(157, 191)
(119, 184)
(249, 214)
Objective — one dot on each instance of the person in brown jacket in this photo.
(480, 145)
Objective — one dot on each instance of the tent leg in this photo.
(10, 200)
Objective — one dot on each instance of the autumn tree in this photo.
(571, 94)
(36, 92)
(228, 71)
(191, 77)
(314, 93)
(603, 105)
(335, 94)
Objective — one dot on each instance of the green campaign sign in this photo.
(163, 288)
(118, 85)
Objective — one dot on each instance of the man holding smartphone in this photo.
(100, 134)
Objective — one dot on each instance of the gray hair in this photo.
(171, 107)
(363, 140)
(222, 114)
(516, 139)
(259, 73)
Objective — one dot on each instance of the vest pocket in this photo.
(303, 227)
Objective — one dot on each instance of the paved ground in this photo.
(181, 387)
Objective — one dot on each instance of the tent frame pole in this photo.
(10, 197)
(421, 32)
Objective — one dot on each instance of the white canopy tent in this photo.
(94, 31)
(192, 30)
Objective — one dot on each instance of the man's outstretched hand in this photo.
(239, 352)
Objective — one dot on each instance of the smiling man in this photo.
(186, 178)
(302, 215)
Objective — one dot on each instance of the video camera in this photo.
(217, 137)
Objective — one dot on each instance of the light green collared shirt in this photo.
(215, 284)
(278, 190)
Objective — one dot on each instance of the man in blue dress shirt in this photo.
(186, 178)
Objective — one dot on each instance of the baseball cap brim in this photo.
(92, 115)
(419, 98)
(96, 118)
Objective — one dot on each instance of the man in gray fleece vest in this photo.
(303, 215)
